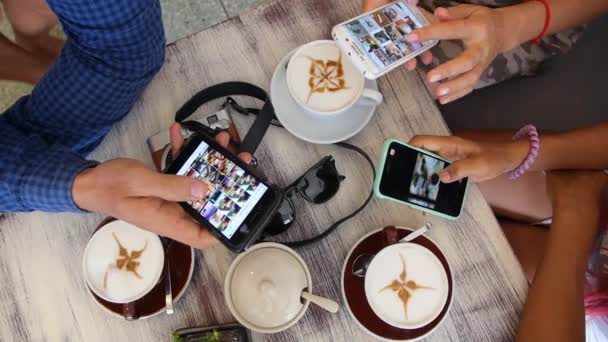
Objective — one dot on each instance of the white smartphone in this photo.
(376, 43)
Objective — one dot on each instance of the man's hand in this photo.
(479, 29)
(479, 161)
(128, 190)
(427, 56)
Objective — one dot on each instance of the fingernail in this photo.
(412, 38)
(434, 78)
(443, 91)
(198, 190)
(444, 100)
(444, 177)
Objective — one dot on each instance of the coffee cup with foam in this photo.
(122, 263)
(406, 285)
(323, 81)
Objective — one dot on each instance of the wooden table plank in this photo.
(44, 296)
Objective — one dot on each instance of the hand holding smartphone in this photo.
(238, 203)
(376, 42)
(409, 175)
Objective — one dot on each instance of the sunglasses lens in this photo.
(321, 183)
(282, 219)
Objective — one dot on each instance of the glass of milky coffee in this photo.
(322, 80)
(406, 285)
(122, 262)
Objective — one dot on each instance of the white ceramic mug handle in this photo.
(371, 96)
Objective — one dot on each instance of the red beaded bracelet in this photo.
(536, 40)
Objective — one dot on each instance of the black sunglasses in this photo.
(317, 185)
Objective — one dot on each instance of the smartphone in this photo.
(220, 333)
(238, 203)
(376, 43)
(411, 176)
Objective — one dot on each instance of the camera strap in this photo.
(257, 130)
(264, 118)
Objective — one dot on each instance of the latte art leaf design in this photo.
(325, 76)
(126, 261)
(403, 287)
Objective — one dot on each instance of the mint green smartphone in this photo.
(410, 175)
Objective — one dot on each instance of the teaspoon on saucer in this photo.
(362, 262)
(167, 278)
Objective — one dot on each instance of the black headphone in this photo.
(256, 132)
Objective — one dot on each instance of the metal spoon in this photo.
(168, 291)
(362, 262)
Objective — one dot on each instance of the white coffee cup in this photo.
(322, 80)
(264, 285)
(122, 262)
(406, 285)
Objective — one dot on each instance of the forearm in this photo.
(113, 50)
(554, 309)
(523, 22)
(585, 148)
(35, 175)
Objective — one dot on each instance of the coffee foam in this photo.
(424, 303)
(322, 79)
(101, 266)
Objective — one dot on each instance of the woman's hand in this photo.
(427, 56)
(478, 161)
(479, 29)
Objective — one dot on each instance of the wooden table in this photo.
(43, 294)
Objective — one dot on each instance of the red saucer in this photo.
(353, 289)
(181, 259)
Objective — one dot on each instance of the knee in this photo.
(30, 21)
(33, 28)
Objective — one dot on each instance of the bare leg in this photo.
(32, 20)
(528, 243)
(524, 200)
(18, 64)
(35, 50)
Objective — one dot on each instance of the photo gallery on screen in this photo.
(383, 33)
(424, 187)
(231, 191)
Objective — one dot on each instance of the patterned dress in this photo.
(596, 287)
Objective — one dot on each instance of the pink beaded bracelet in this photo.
(532, 133)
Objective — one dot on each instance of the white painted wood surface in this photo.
(42, 293)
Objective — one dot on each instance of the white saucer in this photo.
(316, 128)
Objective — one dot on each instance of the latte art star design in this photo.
(126, 261)
(404, 287)
(326, 76)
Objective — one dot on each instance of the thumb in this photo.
(449, 147)
(458, 170)
(171, 187)
(176, 139)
